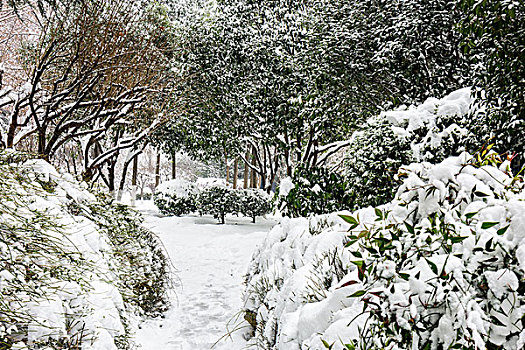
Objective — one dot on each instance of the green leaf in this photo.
(357, 294)
(326, 345)
(349, 219)
(470, 215)
(488, 224)
(379, 213)
(350, 346)
(410, 228)
(502, 230)
(480, 194)
(358, 263)
(432, 266)
(349, 243)
(457, 239)
(357, 254)
(404, 276)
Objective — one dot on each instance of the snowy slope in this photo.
(60, 276)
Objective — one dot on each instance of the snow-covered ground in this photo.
(211, 261)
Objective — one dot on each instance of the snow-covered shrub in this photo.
(176, 197)
(141, 263)
(371, 163)
(442, 266)
(428, 132)
(218, 201)
(253, 203)
(63, 260)
(313, 191)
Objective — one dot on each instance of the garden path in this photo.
(210, 261)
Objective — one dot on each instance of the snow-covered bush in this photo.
(428, 132)
(71, 265)
(176, 197)
(442, 266)
(313, 191)
(218, 201)
(253, 203)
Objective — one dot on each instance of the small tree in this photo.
(218, 201)
(253, 203)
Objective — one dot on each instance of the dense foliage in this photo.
(494, 36)
(253, 203)
(430, 131)
(220, 201)
(74, 268)
(313, 191)
(441, 266)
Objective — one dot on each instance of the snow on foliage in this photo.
(440, 266)
(430, 131)
(74, 269)
(176, 197)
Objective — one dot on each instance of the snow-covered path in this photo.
(211, 260)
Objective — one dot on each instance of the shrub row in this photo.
(179, 197)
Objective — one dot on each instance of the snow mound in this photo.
(440, 266)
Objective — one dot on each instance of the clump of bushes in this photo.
(439, 267)
(74, 267)
(313, 191)
(176, 197)
(219, 201)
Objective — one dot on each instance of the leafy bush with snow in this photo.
(313, 191)
(176, 197)
(428, 132)
(218, 201)
(253, 203)
(441, 266)
(71, 265)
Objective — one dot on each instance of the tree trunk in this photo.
(134, 180)
(253, 173)
(246, 171)
(157, 171)
(227, 170)
(174, 166)
(235, 172)
(122, 183)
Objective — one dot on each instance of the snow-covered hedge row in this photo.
(180, 197)
(220, 200)
(441, 266)
(75, 270)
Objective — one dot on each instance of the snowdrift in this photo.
(441, 266)
(75, 271)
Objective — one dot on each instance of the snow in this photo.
(211, 261)
(286, 186)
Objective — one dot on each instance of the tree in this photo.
(495, 38)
